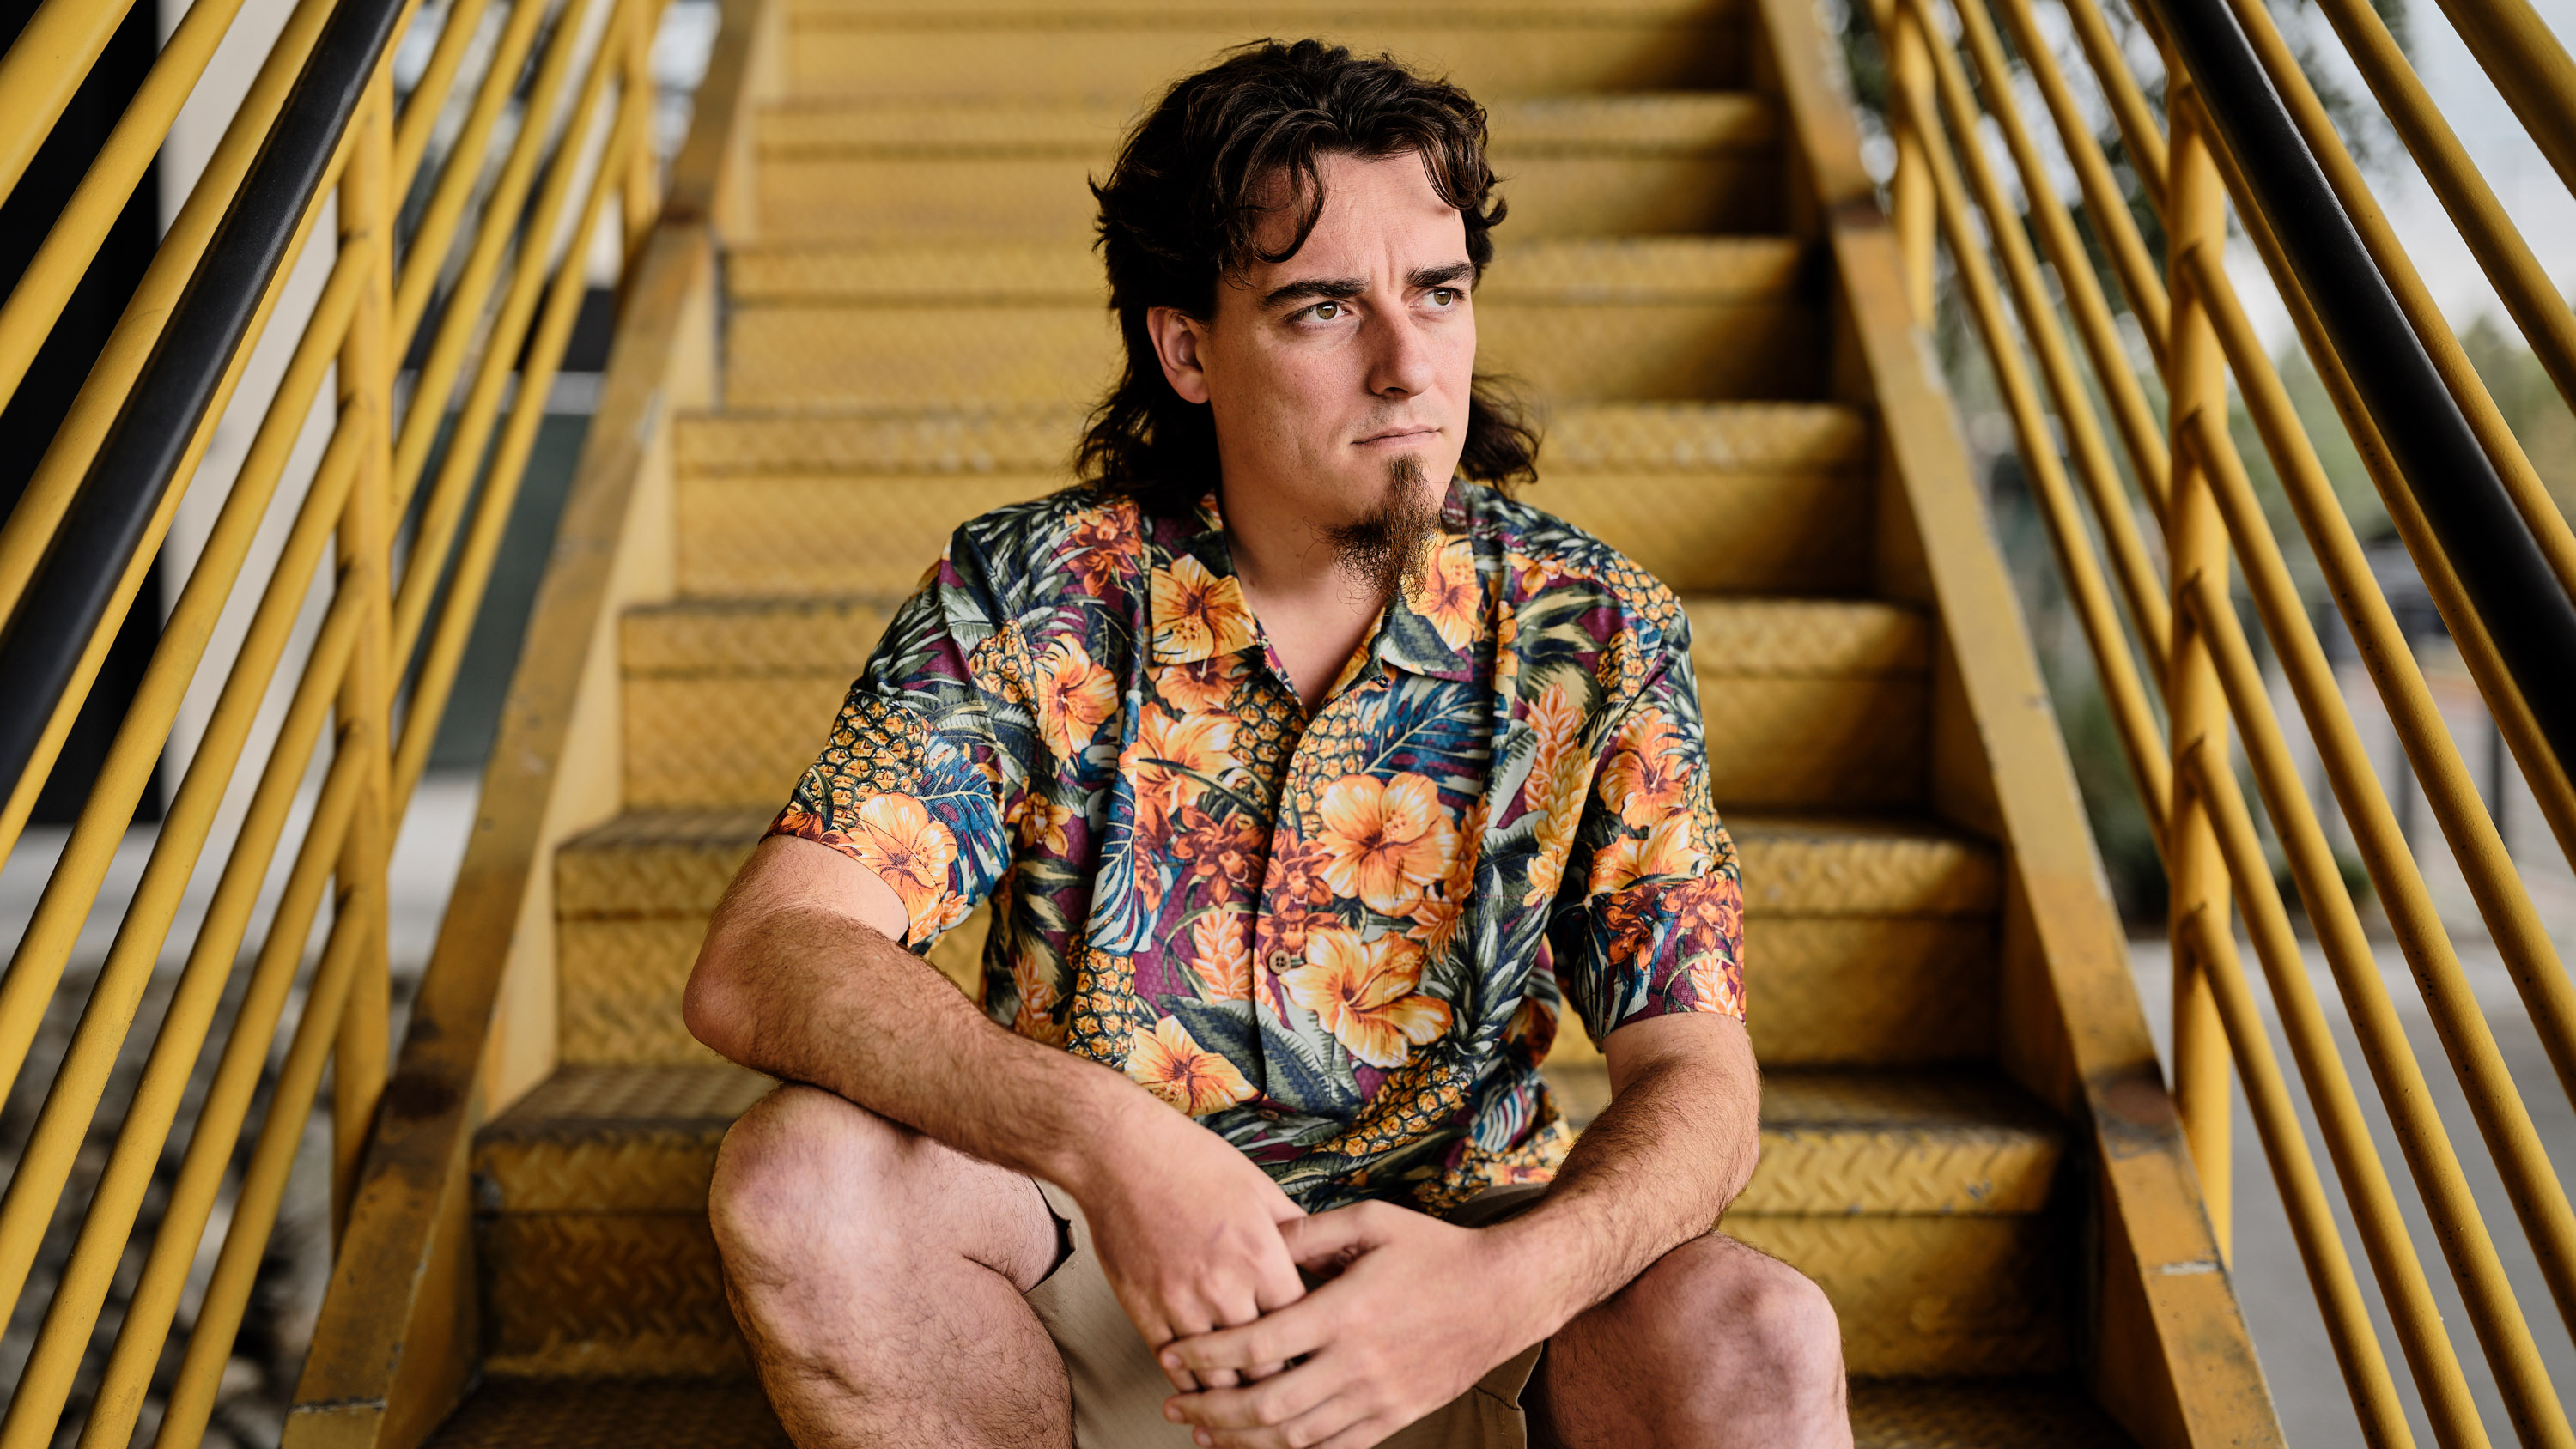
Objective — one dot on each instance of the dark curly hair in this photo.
(1178, 215)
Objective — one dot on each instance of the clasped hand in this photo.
(1410, 1317)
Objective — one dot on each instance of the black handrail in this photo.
(70, 593)
(2509, 583)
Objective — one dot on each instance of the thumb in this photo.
(1324, 1243)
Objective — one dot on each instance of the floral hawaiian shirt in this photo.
(1338, 941)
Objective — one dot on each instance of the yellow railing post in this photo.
(1909, 191)
(2195, 546)
(366, 694)
(640, 193)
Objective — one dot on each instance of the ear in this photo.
(1177, 340)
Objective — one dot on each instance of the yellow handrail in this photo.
(588, 118)
(2209, 514)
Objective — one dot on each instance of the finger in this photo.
(1242, 1411)
(1342, 1421)
(1329, 1240)
(1293, 1331)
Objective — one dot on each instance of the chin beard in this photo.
(1386, 548)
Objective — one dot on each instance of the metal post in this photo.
(2196, 546)
(1909, 68)
(366, 380)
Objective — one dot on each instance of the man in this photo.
(1300, 779)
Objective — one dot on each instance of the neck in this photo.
(1313, 613)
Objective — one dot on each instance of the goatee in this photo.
(1385, 550)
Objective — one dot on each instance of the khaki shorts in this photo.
(1118, 1389)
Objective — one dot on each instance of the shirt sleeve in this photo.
(930, 748)
(1649, 919)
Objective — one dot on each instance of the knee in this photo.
(1777, 1326)
(1788, 1325)
(802, 1161)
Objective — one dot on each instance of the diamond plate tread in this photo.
(1807, 638)
(506, 1412)
(1932, 1296)
(1838, 1141)
(753, 636)
(1617, 440)
(626, 1139)
(1594, 343)
(930, 51)
(605, 1293)
(1989, 1414)
(864, 535)
(1854, 865)
(1818, 743)
(655, 863)
(1869, 990)
(1655, 270)
(1684, 121)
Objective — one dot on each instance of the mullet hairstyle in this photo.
(1178, 217)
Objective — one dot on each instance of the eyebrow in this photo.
(1342, 289)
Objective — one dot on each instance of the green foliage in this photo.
(2530, 403)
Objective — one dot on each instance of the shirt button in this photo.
(1279, 962)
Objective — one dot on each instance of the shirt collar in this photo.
(1197, 610)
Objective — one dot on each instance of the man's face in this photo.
(1339, 378)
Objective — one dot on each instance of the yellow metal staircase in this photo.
(912, 339)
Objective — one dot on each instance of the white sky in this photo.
(2540, 205)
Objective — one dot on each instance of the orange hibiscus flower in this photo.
(1201, 684)
(1450, 596)
(1385, 840)
(1363, 993)
(1665, 850)
(1172, 1066)
(1198, 615)
(1172, 761)
(1648, 772)
(1221, 956)
(896, 838)
(1074, 696)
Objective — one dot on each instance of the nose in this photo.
(1399, 356)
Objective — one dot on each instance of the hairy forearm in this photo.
(1653, 1171)
(814, 995)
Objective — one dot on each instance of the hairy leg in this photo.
(877, 1275)
(1714, 1346)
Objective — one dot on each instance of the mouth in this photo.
(1395, 435)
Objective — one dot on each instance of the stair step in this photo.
(1628, 319)
(1811, 702)
(1733, 497)
(1915, 1199)
(520, 1413)
(1584, 165)
(1868, 940)
(1128, 52)
(1839, 1142)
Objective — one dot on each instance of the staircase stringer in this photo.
(2168, 1351)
